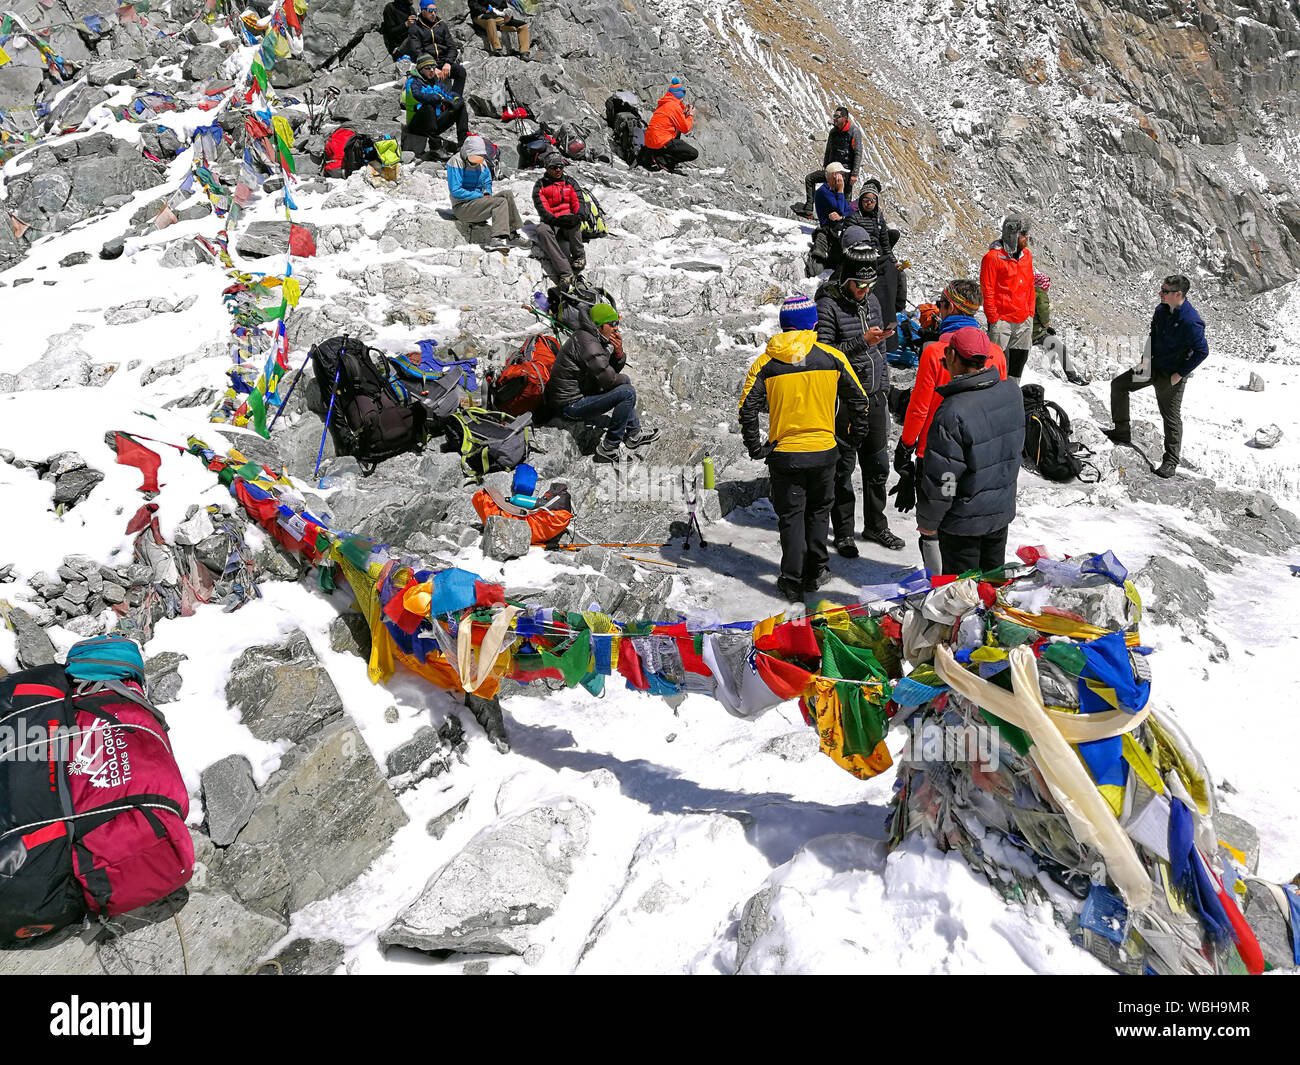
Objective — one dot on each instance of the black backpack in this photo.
(1048, 447)
(534, 146)
(370, 415)
(622, 102)
(569, 306)
(488, 440)
(629, 136)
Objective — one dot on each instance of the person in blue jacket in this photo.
(492, 217)
(431, 107)
(1178, 346)
(831, 203)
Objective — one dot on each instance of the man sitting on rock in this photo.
(559, 233)
(587, 384)
(493, 16)
(431, 108)
(492, 217)
(664, 147)
(396, 25)
(429, 35)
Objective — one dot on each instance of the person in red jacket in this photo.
(664, 148)
(957, 305)
(559, 233)
(1007, 283)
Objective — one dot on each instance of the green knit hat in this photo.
(603, 314)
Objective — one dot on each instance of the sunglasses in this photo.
(1169, 291)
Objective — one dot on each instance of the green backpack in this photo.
(488, 439)
(593, 217)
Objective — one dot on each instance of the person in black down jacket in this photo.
(848, 318)
(586, 384)
(429, 35)
(399, 16)
(870, 217)
(967, 494)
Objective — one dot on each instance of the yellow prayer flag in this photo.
(285, 130)
(292, 291)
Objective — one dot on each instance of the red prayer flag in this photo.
(129, 453)
(300, 241)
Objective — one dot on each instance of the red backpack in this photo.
(93, 822)
(521, 385)
(347, 151)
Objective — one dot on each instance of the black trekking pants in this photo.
(562, 247)
(424, 123)
(962, 553)
(818, 177)
(872, 454)
(802, 499)
(1169, 398)
(675, 152)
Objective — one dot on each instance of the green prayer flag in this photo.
(286, 156)
(259, 74)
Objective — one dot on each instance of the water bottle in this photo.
(708, 473)
(1142, 372)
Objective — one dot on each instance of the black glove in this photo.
(1051, 331)
(903, 458)
(905, 489)
(569, 221)
(762, 451)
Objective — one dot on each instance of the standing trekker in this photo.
(429, 35)
(1007, 280)
(396, 25)
(492, 217)
(431, 107)
(798, 381)
(848, 318)
(664, 148)
(891, 288)
(1178, 346)
(587, 384)
(492, 19)
(559, 233)
(843, 146)
(967, 492)
(958, 304)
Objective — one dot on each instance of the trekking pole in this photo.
(285, 402)
(333, 393)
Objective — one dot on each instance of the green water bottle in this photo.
(708, 472)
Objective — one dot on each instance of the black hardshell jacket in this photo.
(841, 321)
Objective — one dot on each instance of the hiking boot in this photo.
(519, 240)
(822, 579)
(790, 588)
(883, 537)
(640, 437)
(579, 265)
(803, 210)
(1117, 436)
(526, 57)
(496, 244)
(1166, 468)
(845, 546)
(607, 450)
(496, 53)
(1075, 379)
(565, 283)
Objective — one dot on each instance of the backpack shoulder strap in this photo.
(1062, 418)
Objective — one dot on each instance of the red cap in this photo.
(971, 343)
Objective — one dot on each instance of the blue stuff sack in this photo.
(105, 658)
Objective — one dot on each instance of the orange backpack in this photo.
(521, 385)
(547, 520)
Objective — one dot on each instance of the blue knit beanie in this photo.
(798, 312)
(676, 87)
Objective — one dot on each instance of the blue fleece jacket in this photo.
(828, 200)
(466, 182)
(1178, 342)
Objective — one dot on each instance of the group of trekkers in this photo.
(824, 383)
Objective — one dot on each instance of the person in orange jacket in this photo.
(1007, 283)
(664, 147)
(958, 304)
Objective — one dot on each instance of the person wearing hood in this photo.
(492, 217)
(799, 381)
(1178, 346)
(493, 16)
(957, 305)
(848, 318)
(431, 107)
(868, 215)
(967, 491)
(664, 148)
(843, 146)
(429, 35)
(396, 24)
(559, 233)
(1007, 281)
(587, 384)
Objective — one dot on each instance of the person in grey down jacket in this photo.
(587, 384)
(967, 494)
(848, 318)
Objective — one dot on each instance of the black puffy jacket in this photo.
(435, 40)
(394, 27)
(586, 366)
(841, 322)
(972, 456)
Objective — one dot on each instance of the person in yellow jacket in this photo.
(799, 381)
